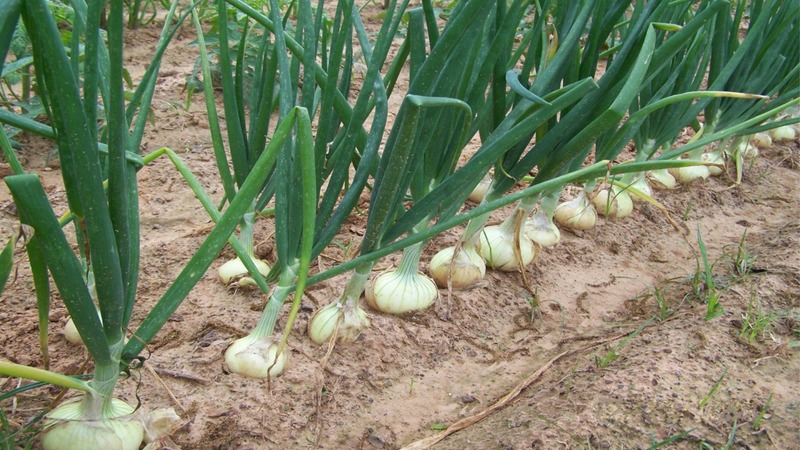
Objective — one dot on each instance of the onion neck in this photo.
(247, 231)
(97, 405)
(269, 317)
(409, 262)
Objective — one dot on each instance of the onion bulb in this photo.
(761, 140)
(661, 179)
(71, 333)
(349, 318)
(497, 246)
(481, 189)
(577, 213)
(715, 157)
(234, 271)
(689, 174)
(252, 356)
(399, 292)
(784, 133)
(68, 428)
(640, 184)
(613, 203)
(541, 230)
(463, 271)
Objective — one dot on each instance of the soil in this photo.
(594, 360)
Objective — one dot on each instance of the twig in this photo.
(505, 400)
(185, 376)
(320, 378)
(169, 392)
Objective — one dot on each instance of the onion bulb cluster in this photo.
(67, 427)
(577, 214)
(462, 269)
(253, 356)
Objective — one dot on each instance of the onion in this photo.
(761, 140)
(253, 357)
(399, 292)
(577, 213)
(715, 157)
(541, 230)
(661, 179)
(641, 185)
(348, 317)
(613, 203)
(481, 189)
(67, 428)
(463, 271)
(234, 271)
(498, 242)
(690, 174)
(782, 134)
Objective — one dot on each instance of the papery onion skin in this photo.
(66, 428)
(466, 270)
(480, 190)
(397, 293)
(252, 357)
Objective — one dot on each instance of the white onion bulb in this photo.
(715, 157)
(662, 179)
(68, 429)
(463, 271)
(480, 190)
(71, 333)
(613, 203)
(577, 213)
(641, 185)
(497, 248)
(690, 174)
(782, 134)
(541, 230)
(350, 319)
(396, 292)
(761, 140)
(234, 271)
(252, 357)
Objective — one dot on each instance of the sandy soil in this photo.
(679, 377)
